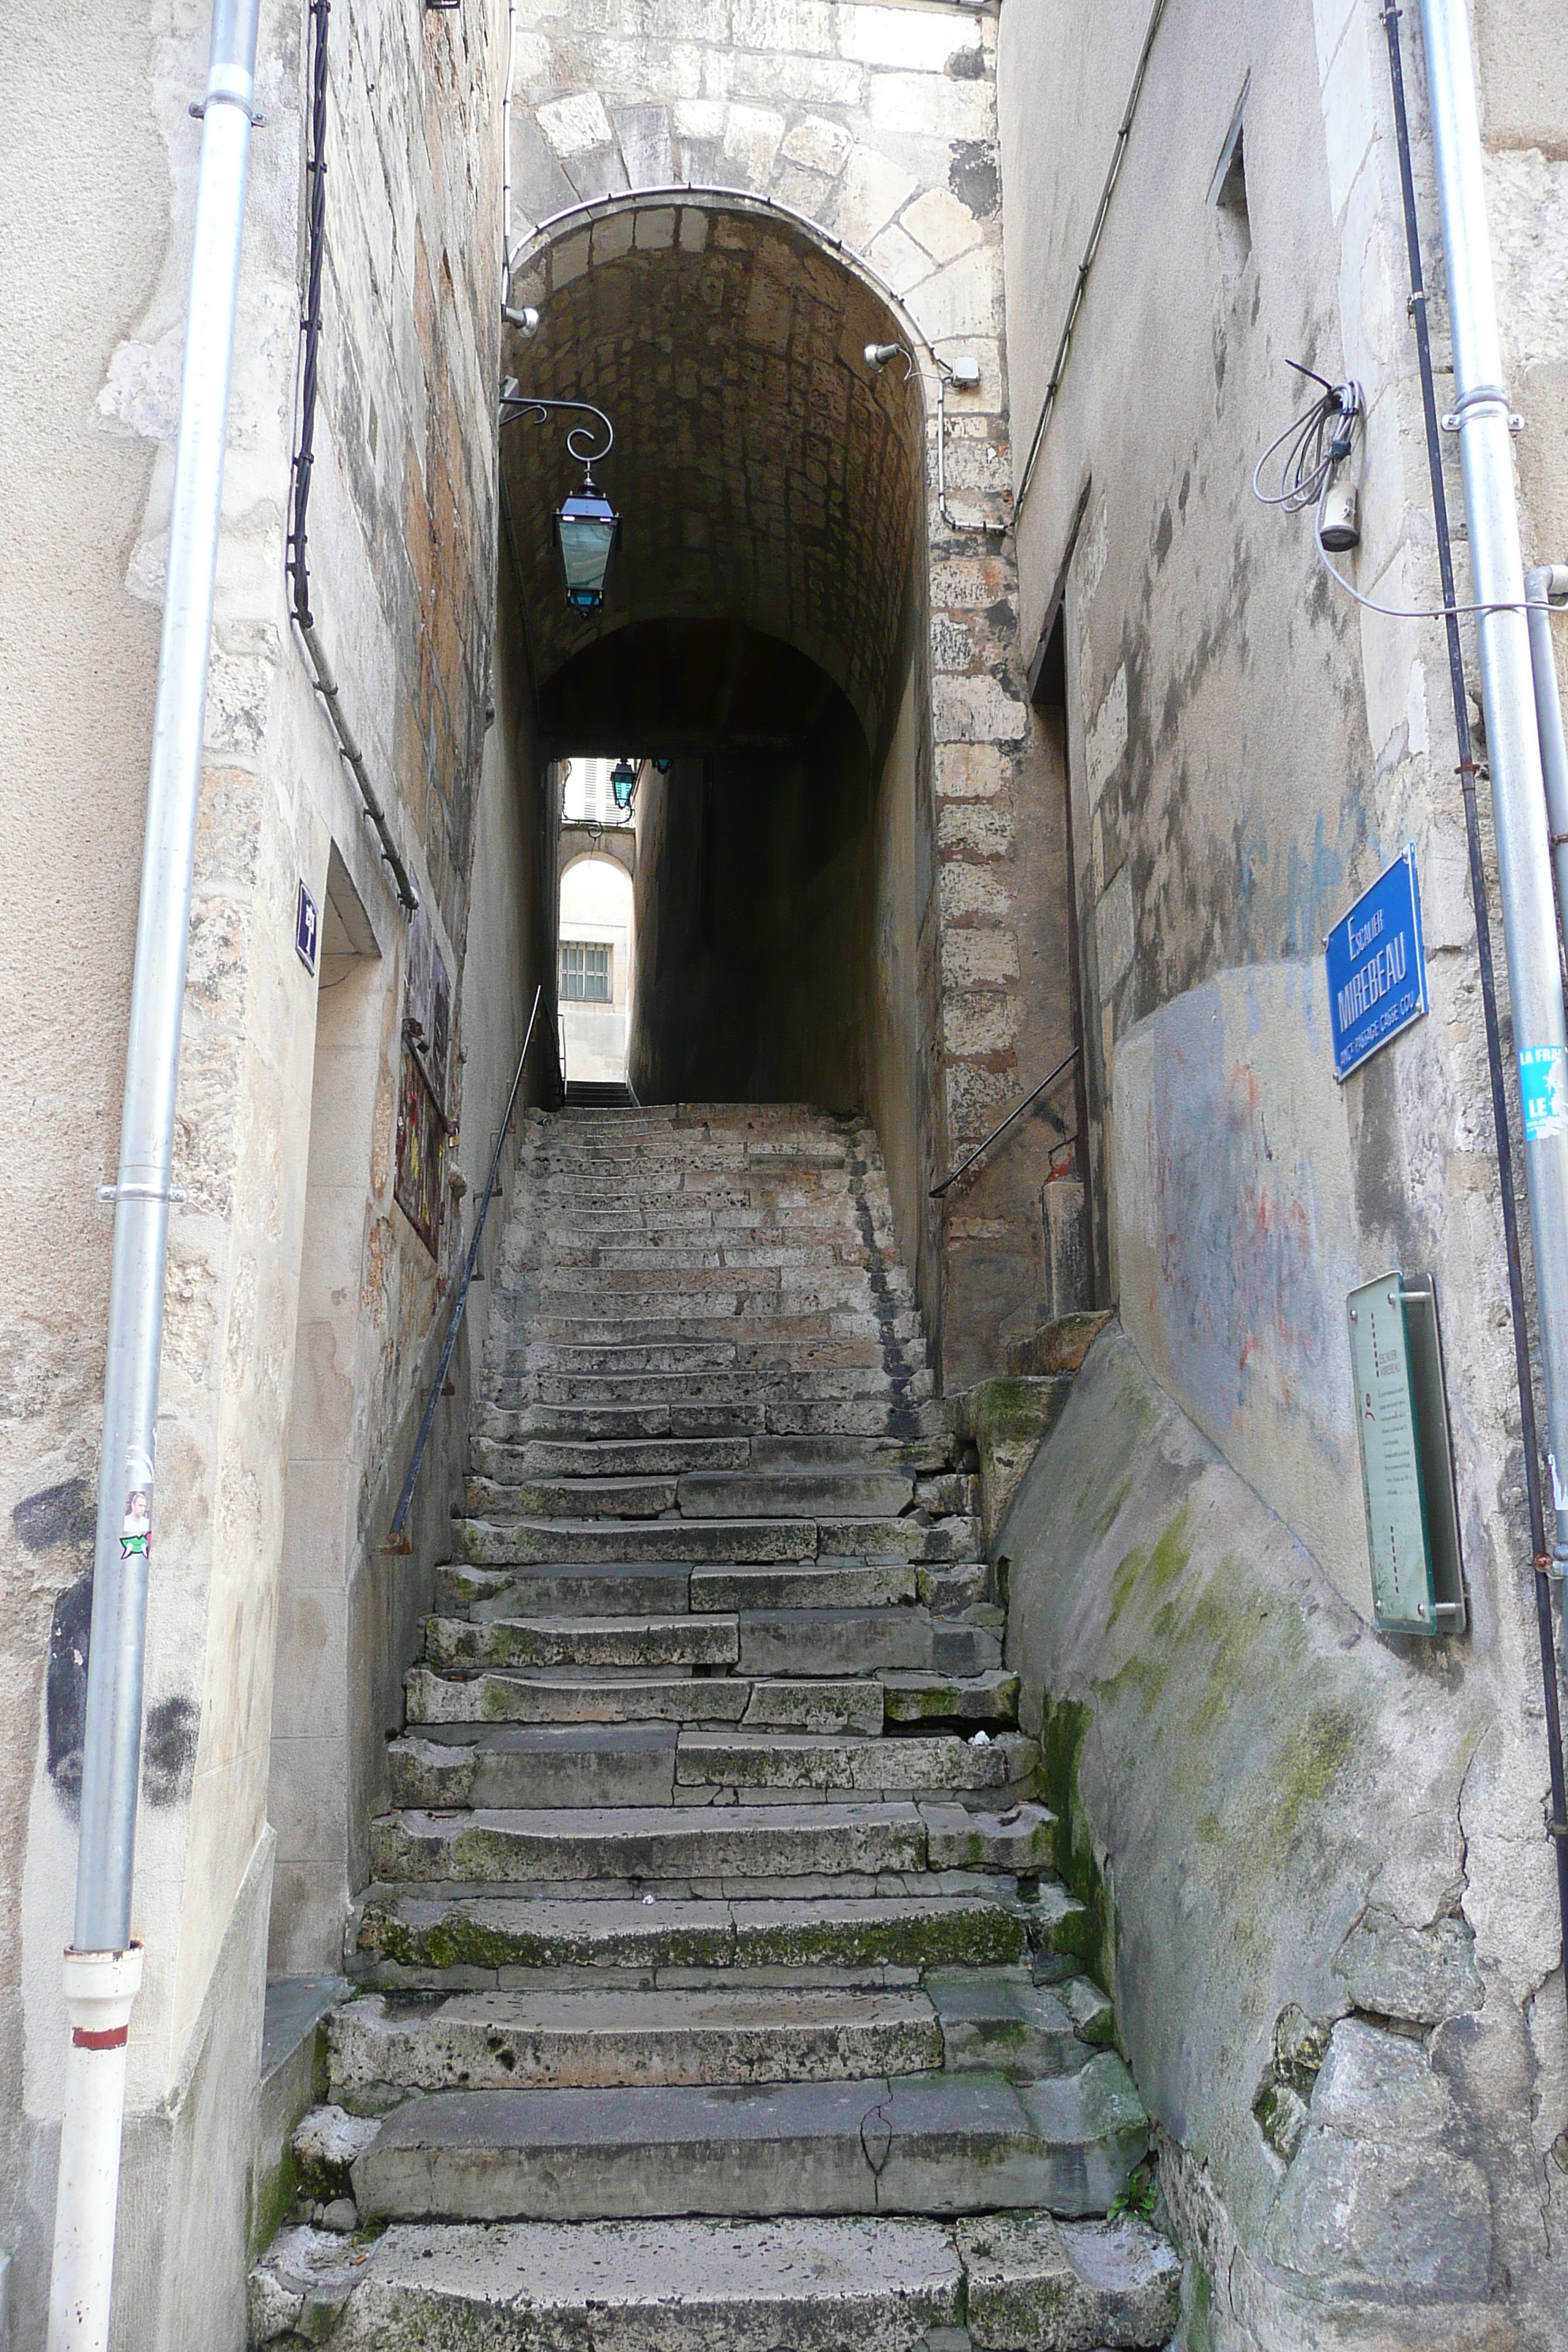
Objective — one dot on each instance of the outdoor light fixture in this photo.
(878, 354)
(624, 784)
(586, 525)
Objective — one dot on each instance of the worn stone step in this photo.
(407, 1935)
(803, 1759)
(905, 2143)
(732, 1385)
(611, 2039)
(502, 1501)
(538, 1766)
(768, 1356)
(826, 1641)
(569, 1542)
(635, 1457)
(889, 1419)
(815, 1584)
(1021, 1838)
(839, 2284)
(984, 1698)
(1000, 2021)
(565, 1589)
(501, 1766)
(453, 1702)
(949, 1592)
(535, 1642)
(829, 1492)
(649, 1842)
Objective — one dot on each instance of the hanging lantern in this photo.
(586, 530)
(624, 784)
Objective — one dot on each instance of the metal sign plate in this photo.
(307, 925)
(1376, 962)
(1407, 1476)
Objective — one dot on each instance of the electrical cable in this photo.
(1307, 474)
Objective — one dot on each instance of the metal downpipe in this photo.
(102, 1968)
(1482, 409)
(1550, 579)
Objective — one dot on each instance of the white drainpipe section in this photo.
(1482, 409)
(103, 1968)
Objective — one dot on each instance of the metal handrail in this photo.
(428, 1422)
(1001, 1128)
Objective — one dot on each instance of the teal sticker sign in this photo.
(1543, 1091)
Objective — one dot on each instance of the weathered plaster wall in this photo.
(877, 123)
(1245, 752)
(402, 538)
(1325, 1906)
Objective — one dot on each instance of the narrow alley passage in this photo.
(713, 1885)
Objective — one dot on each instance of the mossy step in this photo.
(409, 1936)
(638, 1843)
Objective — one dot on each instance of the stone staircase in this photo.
(714, 1988)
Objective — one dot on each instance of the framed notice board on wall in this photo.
(1406, 1460)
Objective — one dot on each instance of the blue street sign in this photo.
(305, 924)
(1376, 966)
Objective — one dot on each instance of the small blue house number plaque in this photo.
(1376, 966)
(307, 923)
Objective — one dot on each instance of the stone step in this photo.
(562, 1588)
(723, 1542)
(563, 1458)
(657, 1763)
(637, 1642)
(844, 2284)
(502, 1501)
(609, 2039)
(826, 1642)
(845, 1493)
(668, 1337)
(986, 1699)
(738, 1542)
(901, 2144)
(632, 1697)
(565, 1766)
(818, 1584)
(638, 1843)
(788, 1419)
(635, 1457)
(413, 1935)
(784, 1391)
(806, 1759)
(767, 1355)
(830, 1492)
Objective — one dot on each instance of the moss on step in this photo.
(1091, 1935)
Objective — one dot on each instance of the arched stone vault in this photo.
(761, 470)
(580, 839)
(779, 504)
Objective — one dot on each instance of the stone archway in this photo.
(779, 508)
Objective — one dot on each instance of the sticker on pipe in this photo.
(1376, 962)
(1543, 1091)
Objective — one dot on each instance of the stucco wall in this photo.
(1313, 1857)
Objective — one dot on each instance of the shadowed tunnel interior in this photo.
(763, 630)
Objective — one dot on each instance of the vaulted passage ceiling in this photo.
(768, 483)
(684, 688)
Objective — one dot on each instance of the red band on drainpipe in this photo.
(114, 2038)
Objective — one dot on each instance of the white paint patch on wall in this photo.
(1237, 1239)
